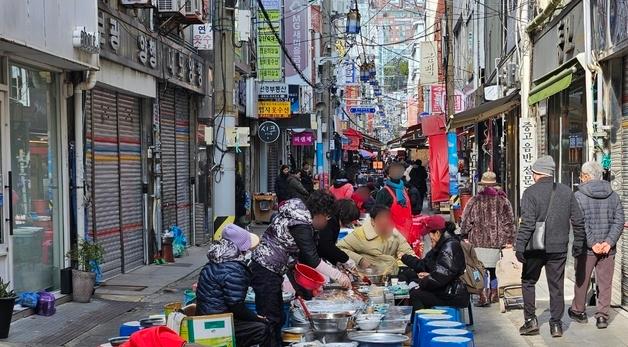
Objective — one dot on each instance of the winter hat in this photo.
(243, 239)
(488, 179)
(435, 223)
(544, 166)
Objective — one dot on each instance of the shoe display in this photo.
(556, 329)
(577, 317)
(530, 327)
(602, 323)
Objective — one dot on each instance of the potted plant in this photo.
(88, 255)
(7, 301)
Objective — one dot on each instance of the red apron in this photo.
(401, 216)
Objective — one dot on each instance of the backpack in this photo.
(473, 276)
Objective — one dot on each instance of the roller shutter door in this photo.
(168, 158)
(104, 177)
(182, 140)
(114, 178)
(131, 196)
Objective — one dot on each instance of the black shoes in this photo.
(602, 323)
(530, 327)
(577, 317)
(556, 329)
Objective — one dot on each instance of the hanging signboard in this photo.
(429, 63)
(203, 37)
(452, 159)
(273, 109)
(362, 109)
(296, 39)
(268, 48)
(268, 132)
(528, 152)
(438, 99)
(272, 91)
(305, 138)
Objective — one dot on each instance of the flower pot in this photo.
(6, 313)
(82, 285)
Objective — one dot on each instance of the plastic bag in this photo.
(29, 299)
(179, 243)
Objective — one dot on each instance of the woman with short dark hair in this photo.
(345, 212)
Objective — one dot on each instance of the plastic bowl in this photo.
(307, 277)
(368, 321)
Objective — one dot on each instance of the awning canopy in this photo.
(552, 85)
(486, 111)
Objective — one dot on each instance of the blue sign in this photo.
(362, 109)
(452, 155)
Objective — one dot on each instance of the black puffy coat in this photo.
(224, 282)
(445, 264)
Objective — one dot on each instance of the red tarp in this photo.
(433, 125)
(439, 168)
(354, 138)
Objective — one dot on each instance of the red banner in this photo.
(439, 168)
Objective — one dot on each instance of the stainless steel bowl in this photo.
(331, 322)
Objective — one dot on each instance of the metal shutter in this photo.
(131, 197)
(623, 248)
(168, 158)
(273, 164)
(182, 128)
(102, 176)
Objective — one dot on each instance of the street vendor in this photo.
(288, 239)
(224, 282)
(376, 243)
(345, 212)
(438, 274)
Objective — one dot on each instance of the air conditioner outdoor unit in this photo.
(139, 3)
(169, 6)
(193, 11)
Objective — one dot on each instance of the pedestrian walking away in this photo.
(395, 196)
(551, 209)
(488, 224)
(604, 223)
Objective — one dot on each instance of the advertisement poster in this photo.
(296, 39)
(439, 168)
(452, 156)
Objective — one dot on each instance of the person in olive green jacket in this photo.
(376, 243)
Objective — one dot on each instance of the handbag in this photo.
(537, 240)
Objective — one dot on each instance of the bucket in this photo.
(308, 277)
(171, 307)
(189, 297)
(128, 328)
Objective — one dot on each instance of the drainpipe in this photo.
(588, 81)
(79, 149)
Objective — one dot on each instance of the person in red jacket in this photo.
(342, 188)
(395, 196)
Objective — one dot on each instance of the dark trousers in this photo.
(251, 334)
(554, 264)
(268, 299)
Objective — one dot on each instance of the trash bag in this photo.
(29, 299)
(179, 243)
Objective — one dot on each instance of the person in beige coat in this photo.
(376, 243)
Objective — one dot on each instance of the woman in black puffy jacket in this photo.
(224, 282)
(438, 274)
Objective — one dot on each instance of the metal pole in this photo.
(223, 197)
(449, 74)
(327, 111)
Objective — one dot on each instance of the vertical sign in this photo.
(268, 49)
(203, 38)
(296, 39)
(429, 63)
(452, 159)
(527, 152)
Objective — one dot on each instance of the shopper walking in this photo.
(306, 177)
(342, 187)
(281, 184)
(418, 179)
(554, 206)
(395, 196)
(604, 224)
(488, 224)
(295, 188)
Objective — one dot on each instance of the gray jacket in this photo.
(563, 214)
(603, 213)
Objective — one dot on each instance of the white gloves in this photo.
(350, 265)
(334, 274)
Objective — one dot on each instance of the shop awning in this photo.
(486, 111)
(553, 85)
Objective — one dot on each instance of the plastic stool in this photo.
(418, 328)
(128, 328)
(415, 318)
(444, 324)
(429, 327)
(451, 341)
(448, 332)
(454, 311)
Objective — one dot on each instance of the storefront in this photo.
(35, 200)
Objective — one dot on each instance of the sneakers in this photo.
(530, 327)
(577, 317)
(556, 329)
(602, 323)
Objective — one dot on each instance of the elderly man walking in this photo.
(551, 207)
(604, 223)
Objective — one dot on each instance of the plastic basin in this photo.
(307, 277)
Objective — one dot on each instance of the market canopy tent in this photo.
(485, 111)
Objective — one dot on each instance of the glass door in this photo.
(32, 156)
(4, 233)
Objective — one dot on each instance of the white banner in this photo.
(203, 38)
(429, 63)
(527, 152)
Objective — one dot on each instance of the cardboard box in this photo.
(214, 330)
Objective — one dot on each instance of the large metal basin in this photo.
(331, 322)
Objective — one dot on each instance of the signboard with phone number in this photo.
(273, 109)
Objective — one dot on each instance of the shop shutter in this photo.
(182, 129)
(623, 248)
(131, 197)
(103, 177)
(168, 158)
(273, 164)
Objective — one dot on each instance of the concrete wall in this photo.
(47, 25)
